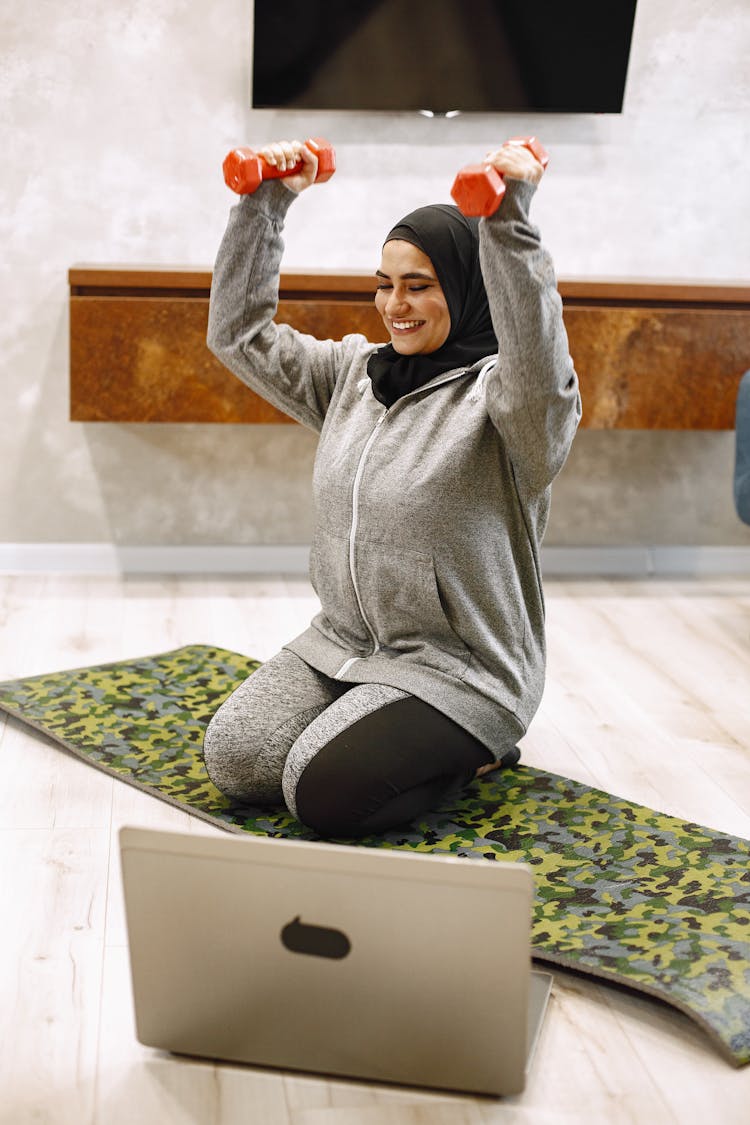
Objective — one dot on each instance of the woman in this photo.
(432, 487)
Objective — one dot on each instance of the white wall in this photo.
(115, 119)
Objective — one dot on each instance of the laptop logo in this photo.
(316, 941)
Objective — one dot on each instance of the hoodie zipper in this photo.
(355, 517)
(352, 537)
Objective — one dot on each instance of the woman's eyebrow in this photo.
(415, 276)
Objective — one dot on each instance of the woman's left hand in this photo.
(515, 161)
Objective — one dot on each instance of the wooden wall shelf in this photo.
(649, 355)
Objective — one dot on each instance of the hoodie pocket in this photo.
(400, 596)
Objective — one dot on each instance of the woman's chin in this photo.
(404, 347)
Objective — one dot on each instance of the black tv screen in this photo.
(550, 56)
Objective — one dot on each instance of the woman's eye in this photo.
(416, 288)
(381, 287)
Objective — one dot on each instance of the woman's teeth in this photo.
(402, 325)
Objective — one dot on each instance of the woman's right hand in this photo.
(285, 154)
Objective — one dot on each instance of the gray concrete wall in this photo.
(115, 120)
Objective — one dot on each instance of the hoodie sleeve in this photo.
(293, 371)
(532, 392)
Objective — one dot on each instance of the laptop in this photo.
(367, 963)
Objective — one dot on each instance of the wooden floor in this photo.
(648, 696)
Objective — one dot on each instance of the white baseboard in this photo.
(644, 562)
(106, 558)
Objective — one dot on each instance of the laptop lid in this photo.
(369, 963)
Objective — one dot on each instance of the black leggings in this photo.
(386, 770)
(346, 759)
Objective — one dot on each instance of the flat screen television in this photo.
(442, 56)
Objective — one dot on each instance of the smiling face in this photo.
(410, 300)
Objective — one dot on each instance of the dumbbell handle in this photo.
(271, 171)
(535, 147)
(245, 169)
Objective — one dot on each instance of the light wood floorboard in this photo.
(648, 696)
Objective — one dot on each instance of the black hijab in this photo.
(451, 242)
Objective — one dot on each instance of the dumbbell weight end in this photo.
(478, 189)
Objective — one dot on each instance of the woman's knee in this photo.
(357, 811)
(229, 753)
(331, 749)
(383, 770)
(248, 739)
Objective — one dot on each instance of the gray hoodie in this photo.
(429, 515)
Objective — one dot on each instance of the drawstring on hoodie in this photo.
(478, 388)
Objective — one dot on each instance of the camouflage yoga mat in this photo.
(623, 893)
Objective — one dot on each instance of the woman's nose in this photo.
(396, 303)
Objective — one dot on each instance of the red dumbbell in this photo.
(478, 189)
(245, 170)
